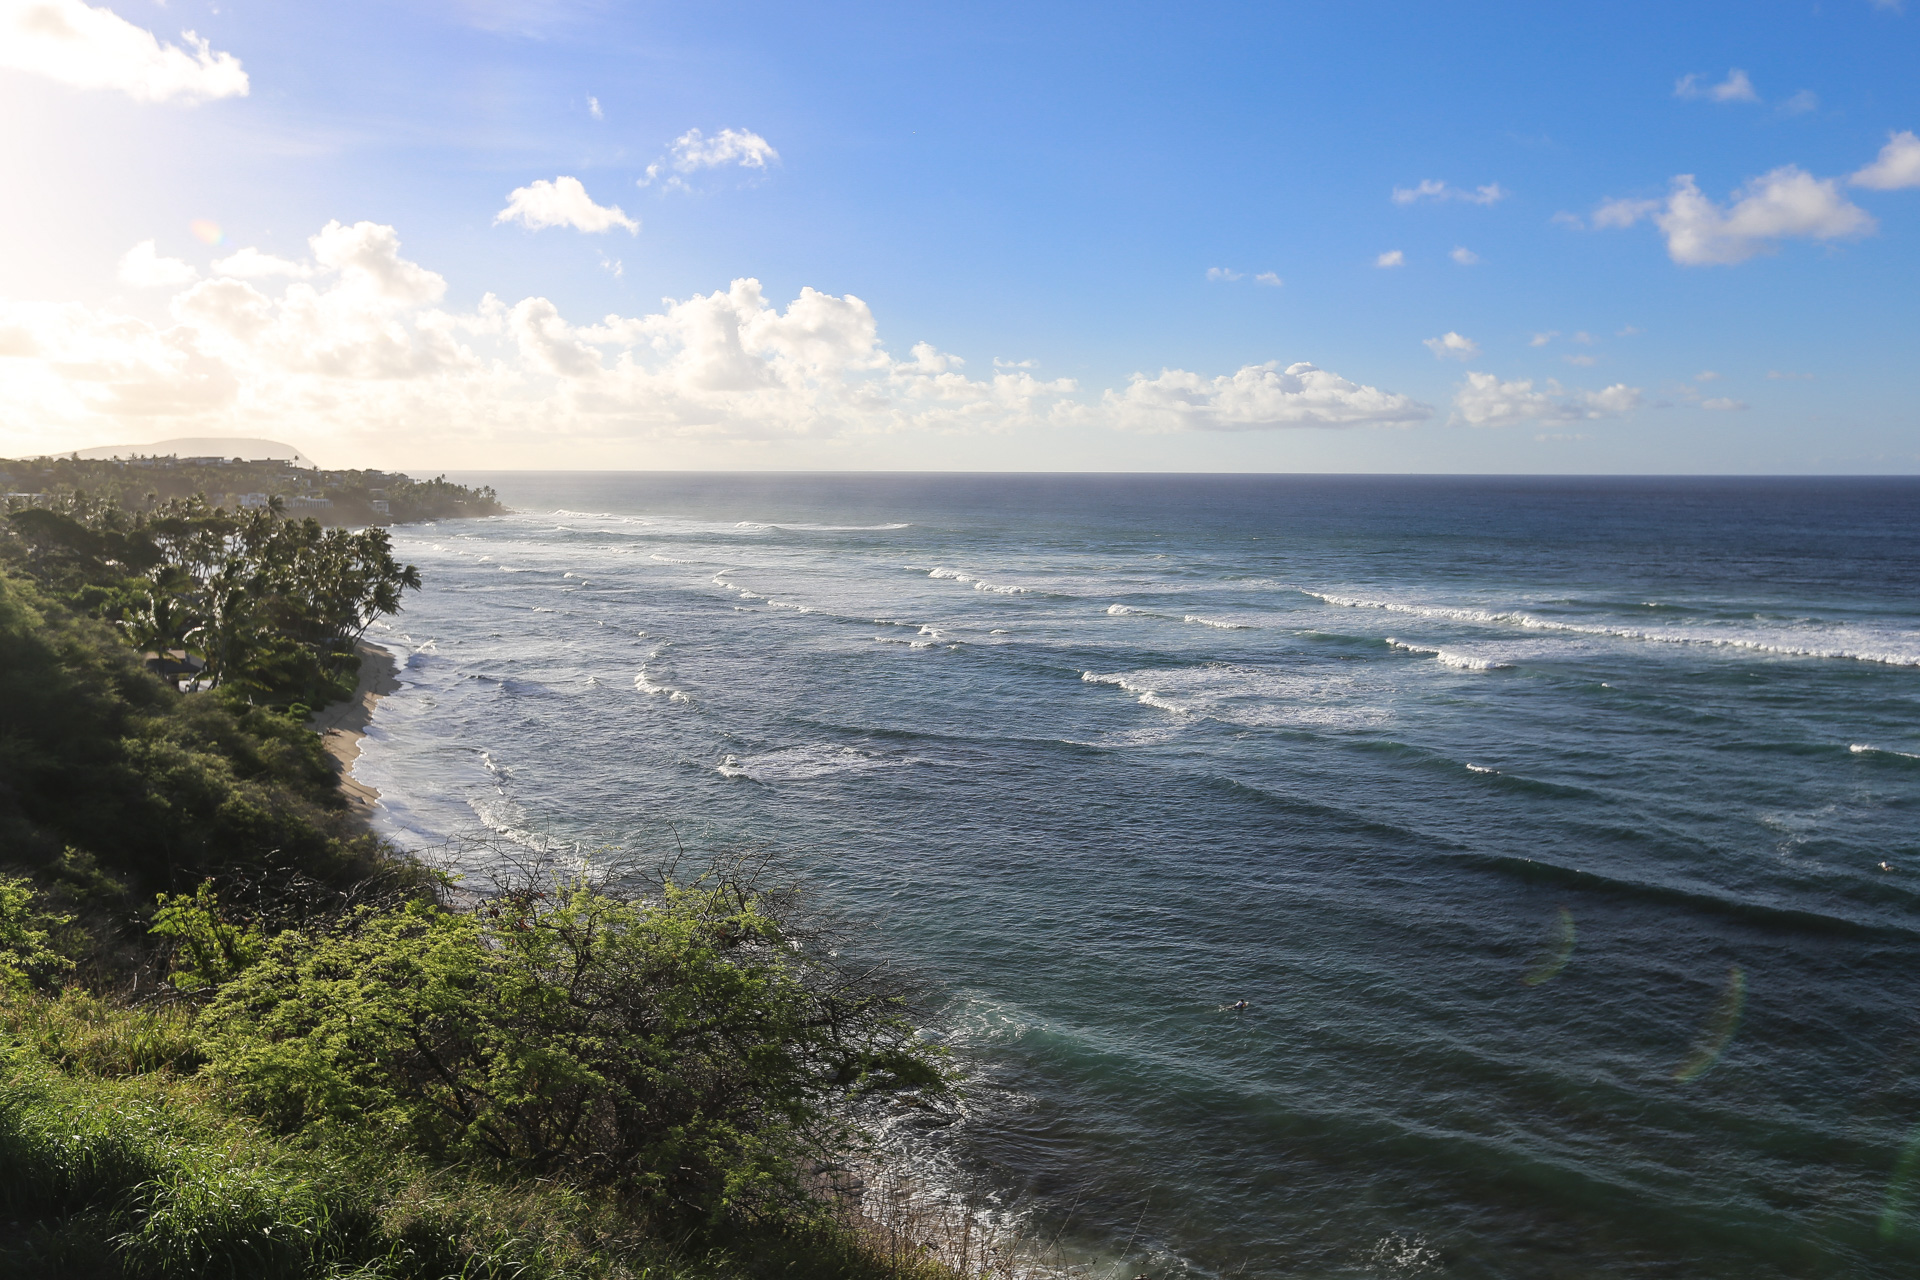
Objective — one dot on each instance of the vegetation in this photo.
(272, 607)
(240, 1038)
(333, 497)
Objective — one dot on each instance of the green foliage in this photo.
(109, 778)
(26, 961)
(209, 949)
(671, 1047)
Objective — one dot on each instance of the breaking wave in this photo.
(1786, 646)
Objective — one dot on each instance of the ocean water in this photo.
(1563, 835)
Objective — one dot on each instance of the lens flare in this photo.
(207, 232)
(1899, 1209)
(1719, 1030)
(1558, 952)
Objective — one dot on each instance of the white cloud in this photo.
(252, 264)
(1786, 203)
(1542, 339)
(1391, 258)
(1800, 103)
(1898, 165)
(1737, 87)
(1434, 189)
(1258, 397)
(1565, 219)
(1483, 400)
(1583, 337)
(1464, 256)
(1890, 6)
(1706, 375)
(593, 109)
(1228, 275)
(363, 353)
(90, 48)
(562, 203)
(1723, 404)
(1614, 214)
(693, 150)
(1625, 331)
(144, 268)
(1452, 345)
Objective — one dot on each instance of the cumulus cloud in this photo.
(144, 268)
(250, 263)
(564, 202)
(90, 48)
(1898, 165)
(1737, 87)
(1542, 339)
(593, 109)
(1800, 103)
(1258, 397)
(1269, 279)
(693, 151)
(1464, 256)
(1483, 400)
(1391, 258)
(362, 349)
(1788, 203)
(1434, 189)
(1452, 346)
(1217, 274)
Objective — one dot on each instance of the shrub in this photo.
(26, 961)
(673, 1047)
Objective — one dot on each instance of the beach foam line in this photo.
(1527, 621)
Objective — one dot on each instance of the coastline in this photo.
(342, 725)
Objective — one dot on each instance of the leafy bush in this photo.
(102, 764)
(671, 1046)
(26, 961)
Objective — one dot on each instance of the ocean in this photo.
(1561, 835)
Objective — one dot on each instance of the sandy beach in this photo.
(342, 725)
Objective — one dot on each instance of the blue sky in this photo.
(1072, 206)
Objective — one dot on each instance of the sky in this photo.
(1602, 238)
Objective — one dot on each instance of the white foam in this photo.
(1118, 609)
(1480, 768)
(978, 584)
(1452, 657)
(1866, 748)
(803, 763)
(1215, 622)
(645, 685)
(1889, 650)
(1255, 697)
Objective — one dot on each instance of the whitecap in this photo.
(1842, 643)
(1215, 622)
(645, 685)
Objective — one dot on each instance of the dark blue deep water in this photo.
(1564, 835)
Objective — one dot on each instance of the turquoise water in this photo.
(1562, 835)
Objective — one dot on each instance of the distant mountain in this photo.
(247, 447)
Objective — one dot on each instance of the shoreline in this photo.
(342, 725)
